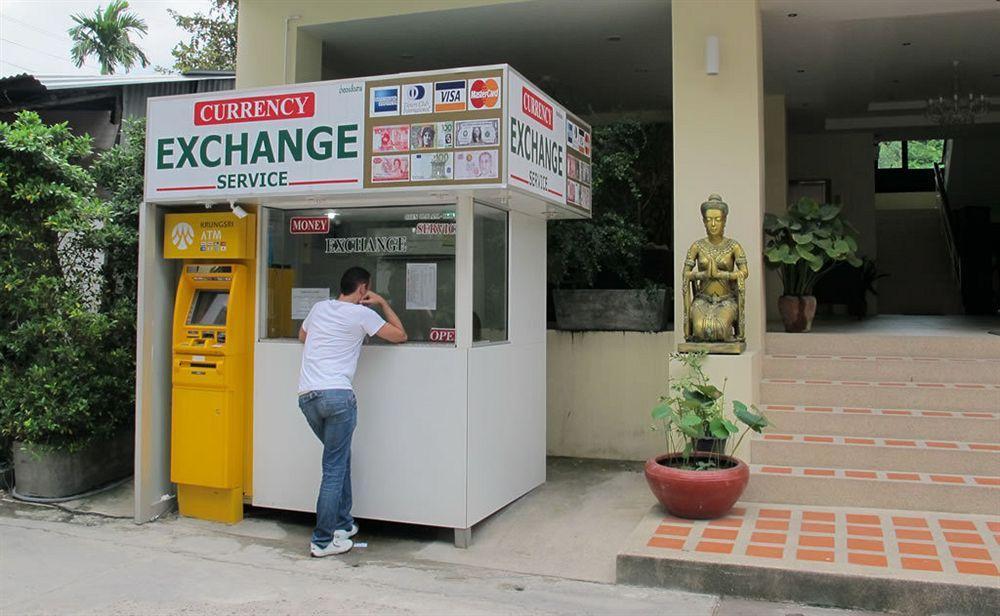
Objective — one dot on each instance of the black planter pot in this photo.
(711, 445)
(612, 309)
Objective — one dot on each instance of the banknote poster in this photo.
(585, 197)
(432, 136)
(585, 172)
(572, 168)
(572, 192)
(577, 138)
(477, 133)
(390, 168)
(432, 166)
(394, 138)
(476, 164)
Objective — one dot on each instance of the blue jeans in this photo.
(332, 414)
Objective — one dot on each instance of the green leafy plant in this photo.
(807, 242)
(67, 345)
(695, 410)
(106, 34)
(579, 250)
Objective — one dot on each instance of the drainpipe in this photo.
(288, 19)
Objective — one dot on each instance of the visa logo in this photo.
(449, 96)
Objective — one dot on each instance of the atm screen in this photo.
(208, 308)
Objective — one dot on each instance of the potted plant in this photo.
(804, 245)
(612, 272)
(696, 478)
(67, 270)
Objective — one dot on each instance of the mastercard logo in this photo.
(484, 94)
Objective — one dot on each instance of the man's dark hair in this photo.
(353, 278)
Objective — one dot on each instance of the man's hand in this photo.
(373, 299)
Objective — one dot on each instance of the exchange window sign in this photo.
(366, 245)
(479, 128)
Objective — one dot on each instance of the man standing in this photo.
(333, 332)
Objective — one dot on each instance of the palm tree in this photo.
(106, 35)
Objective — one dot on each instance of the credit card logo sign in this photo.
(385, 101)
(534, 107)
(417, 98)
(484, 94)
(449, 96)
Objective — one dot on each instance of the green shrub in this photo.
(66, 347)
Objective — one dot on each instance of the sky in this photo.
(33, 35)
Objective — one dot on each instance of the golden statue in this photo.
(714, 291)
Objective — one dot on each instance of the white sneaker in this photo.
(346, 534)
(339, 545)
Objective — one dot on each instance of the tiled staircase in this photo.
(896, 422)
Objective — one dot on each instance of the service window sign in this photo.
(303, 138)
(536, 150)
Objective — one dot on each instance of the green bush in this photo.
(67, 345)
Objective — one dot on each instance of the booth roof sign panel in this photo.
(310, 138)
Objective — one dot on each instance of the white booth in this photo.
(440, 184)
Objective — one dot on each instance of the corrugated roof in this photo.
(67, 82)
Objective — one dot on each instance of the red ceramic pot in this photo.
(797, 312)
(700, 495)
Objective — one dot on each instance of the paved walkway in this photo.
(549, 553)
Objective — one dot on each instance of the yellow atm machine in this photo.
(212, 361)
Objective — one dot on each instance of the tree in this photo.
(213, 38)
(106, 35)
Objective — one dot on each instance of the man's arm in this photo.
(302, 334)
(393, 330)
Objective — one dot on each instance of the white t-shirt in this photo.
(335, 331)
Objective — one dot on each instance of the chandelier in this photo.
(958, 109)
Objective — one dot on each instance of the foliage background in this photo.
(67, 271)
(213, 39)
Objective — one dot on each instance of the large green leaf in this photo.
(709, 391)
(661, 411)
(802, 238)
(720, 427)
(753, 420)
(829, 211)
(690, 425)
(807, 254)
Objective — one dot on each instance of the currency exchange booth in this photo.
(438, 183)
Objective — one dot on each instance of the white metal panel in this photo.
(409, 451)
(527, 279)
(506, 425)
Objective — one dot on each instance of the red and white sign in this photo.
(435, 228)
(484, 94)
(255, 109)
(303, 225)
(534, 107)
(442, 334)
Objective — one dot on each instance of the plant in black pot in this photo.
(804, 244)
(608, 273)
(67, 270)
(696, 478)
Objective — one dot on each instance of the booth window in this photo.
(489, 266)
(409, 251)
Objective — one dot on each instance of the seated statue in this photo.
(714, 291)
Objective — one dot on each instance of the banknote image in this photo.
(572, 192)
(585, 196)
(572, 168)
(390, 168)
(394, 138)
(436, 166)
(476, 164)
(585, 173)
(430, 136)
(476, 133)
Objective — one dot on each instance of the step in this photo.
(978, 346)
(874, 488)
(983, 427)
(876, 368)
(969, 397)
(873, 559)
(873, 453)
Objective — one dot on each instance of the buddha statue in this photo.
(714, 291)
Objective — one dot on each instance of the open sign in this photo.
(442, 334)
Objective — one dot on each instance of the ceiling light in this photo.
(801, 70)
(641, 69)
(959, 108)
(793, 14)
(406, 56)
(907, 44)
(614, 38)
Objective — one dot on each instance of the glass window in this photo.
(409, 251)
(489, 271)
(890, 154)
(923, 154)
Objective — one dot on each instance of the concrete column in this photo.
(719, 148)
(775, 184)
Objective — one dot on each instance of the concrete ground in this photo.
(552, 552)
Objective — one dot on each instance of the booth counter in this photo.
(438, 183)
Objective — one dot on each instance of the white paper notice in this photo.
(421, 286)
(303, 300)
